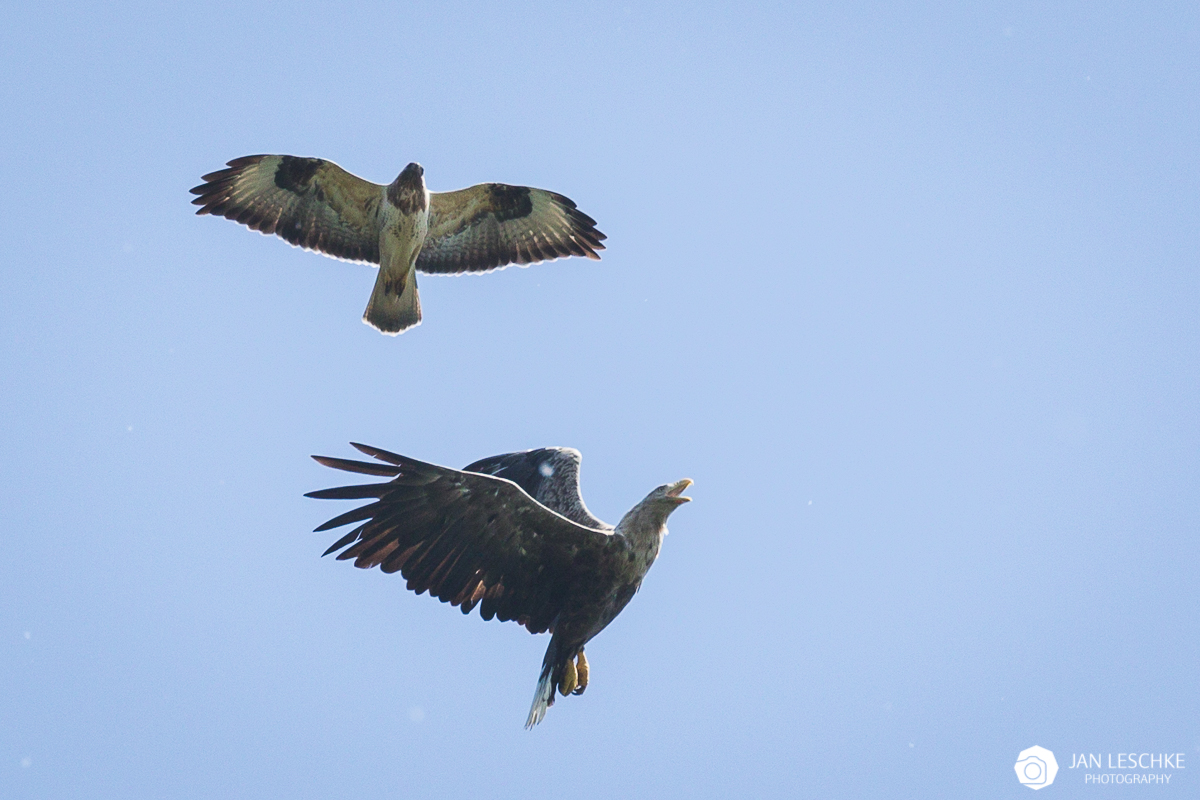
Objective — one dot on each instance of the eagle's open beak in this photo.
(675, 490)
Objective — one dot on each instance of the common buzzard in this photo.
(403, 227)
(510, 533)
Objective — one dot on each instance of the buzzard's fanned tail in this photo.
(394, 307)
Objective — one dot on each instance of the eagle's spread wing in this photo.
(492, 225)
(469, 538)
(549, 475)
(310, 202)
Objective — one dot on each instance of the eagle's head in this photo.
(647, 521)
(659, 504)
(672, 493)
(407, 192)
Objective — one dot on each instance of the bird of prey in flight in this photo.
(510, 534)
(402, 227)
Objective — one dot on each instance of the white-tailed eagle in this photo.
(510, 534)
(403, 227)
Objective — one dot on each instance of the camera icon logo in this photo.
(1036, 767)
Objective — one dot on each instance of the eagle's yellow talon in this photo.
(581, 668)
(569, 679)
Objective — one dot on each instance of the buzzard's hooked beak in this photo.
(411, 174)
(675, 490)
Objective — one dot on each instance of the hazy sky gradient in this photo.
(910, 292)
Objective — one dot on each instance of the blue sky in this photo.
(910, 291)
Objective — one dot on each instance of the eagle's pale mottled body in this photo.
(315, 204)
(512, 535)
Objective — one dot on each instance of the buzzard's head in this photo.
(412, 175)
(407, 192)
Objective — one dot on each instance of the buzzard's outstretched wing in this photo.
(549, 475)
(492, 225)
(310, 202)
(469, 538)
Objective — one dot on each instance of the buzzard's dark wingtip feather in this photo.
(219, 176)
(562, 199)
(582, 218)
(245, 161)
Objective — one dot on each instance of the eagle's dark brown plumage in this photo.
(317, 205)
(511, 535)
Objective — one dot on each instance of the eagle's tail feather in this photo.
(543, 695)
(394, 306)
